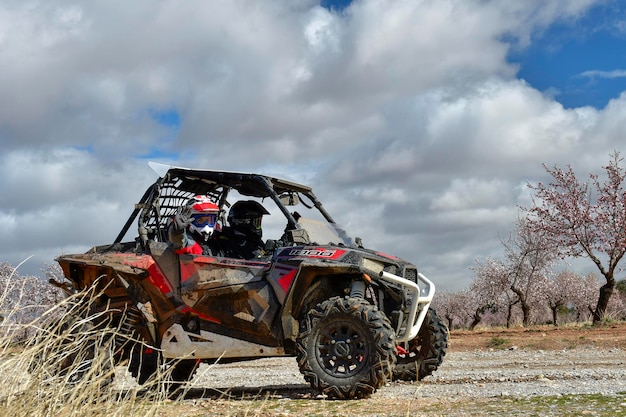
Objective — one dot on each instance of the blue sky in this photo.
(418, 123)
(584, 61)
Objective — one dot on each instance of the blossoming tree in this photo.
(585, 219)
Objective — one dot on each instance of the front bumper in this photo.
(418, 301)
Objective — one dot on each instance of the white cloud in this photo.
(471, 193)
(405, 116)
(603, 74)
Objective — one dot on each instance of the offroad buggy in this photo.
(353, 317)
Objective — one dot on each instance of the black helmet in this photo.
(246, 216)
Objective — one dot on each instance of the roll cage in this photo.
(176, 185)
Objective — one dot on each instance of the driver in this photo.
(193, 225)
(243, 237)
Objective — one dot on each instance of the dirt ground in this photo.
(540, 337)
(280, 390)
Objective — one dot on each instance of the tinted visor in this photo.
(254, 223)
(204, 219)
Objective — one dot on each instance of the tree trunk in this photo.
(450, 319)
(525, 307)
(509, 314)
(477, 318)
(554, 314)
(606, 291)
(525, 313)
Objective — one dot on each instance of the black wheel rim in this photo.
(341, 348)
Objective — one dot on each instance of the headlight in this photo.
(375, 266)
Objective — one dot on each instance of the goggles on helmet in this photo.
(254, 223)
(204, 219)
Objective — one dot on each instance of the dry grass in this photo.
(67, 368)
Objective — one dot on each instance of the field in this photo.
(542, 337)
(572, 370)
(540, 371)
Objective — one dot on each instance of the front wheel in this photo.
(345, 348)
(425, 353)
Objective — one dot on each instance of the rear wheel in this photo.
(183, 370)
(145, 362)
(425, 353)
(345, 348)
(149, 368)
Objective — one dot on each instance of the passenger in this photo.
(193, 225)
(242, 238)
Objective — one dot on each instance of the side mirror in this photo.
(289, 199)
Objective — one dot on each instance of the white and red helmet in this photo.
(204, 213)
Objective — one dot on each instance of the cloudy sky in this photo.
(417, 122)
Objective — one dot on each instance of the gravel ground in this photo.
(479, 374)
